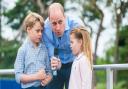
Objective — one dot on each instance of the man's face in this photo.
(57, 20)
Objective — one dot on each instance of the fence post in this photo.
(109, 78)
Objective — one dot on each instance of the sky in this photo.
(106, 39)
(7, 32)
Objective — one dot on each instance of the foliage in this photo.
(101, 86)
(18, 13)
(123, 55)
(123, 45)
(8, 51)
(119, 85)
(91, 12)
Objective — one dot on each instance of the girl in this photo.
(81, 73)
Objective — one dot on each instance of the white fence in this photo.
(109, 70)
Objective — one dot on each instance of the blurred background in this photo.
(107, 21)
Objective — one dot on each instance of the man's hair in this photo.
(56, 6)
(31, 19)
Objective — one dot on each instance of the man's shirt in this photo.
(61, 43)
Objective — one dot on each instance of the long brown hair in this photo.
(81, 33)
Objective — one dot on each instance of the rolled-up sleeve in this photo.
(19, 65)
(48, 65)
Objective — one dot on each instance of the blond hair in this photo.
(81, 33)
(31, 19)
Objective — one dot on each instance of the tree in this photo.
(123, 56)
(120, 8)
(8, 50)
(17, 14)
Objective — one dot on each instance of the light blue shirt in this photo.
(29, 60)
(63, 42)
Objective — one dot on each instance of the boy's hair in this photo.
(81, 33)
(30, 20)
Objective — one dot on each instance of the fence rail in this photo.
(108, 67)
(109, 72)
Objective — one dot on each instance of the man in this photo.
(56, 35)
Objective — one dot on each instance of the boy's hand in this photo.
(45, 81)
(41, 74)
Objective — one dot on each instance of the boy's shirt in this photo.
(29, 60)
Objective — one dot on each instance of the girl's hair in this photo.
(81, 33)
(31, 19)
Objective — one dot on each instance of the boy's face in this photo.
(35, 33)
(75, 45)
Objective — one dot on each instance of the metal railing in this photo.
(109, 70)
(108, 67)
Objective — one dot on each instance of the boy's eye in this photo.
(38, 30)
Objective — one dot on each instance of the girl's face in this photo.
(35, 33)
(75, 45)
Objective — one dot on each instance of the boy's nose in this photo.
(40, 33)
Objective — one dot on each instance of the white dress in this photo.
(81, 73)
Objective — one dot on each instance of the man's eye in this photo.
(60, 21)
(54, 23)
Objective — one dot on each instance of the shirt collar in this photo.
(79, 56)
(67, 24)
(32, 45)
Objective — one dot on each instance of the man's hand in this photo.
(55, 63)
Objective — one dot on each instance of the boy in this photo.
(32, 66)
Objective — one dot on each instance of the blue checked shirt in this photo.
(62, 43)
(29, 60)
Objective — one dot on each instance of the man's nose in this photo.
(57, 26)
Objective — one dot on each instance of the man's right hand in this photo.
(55, 63)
